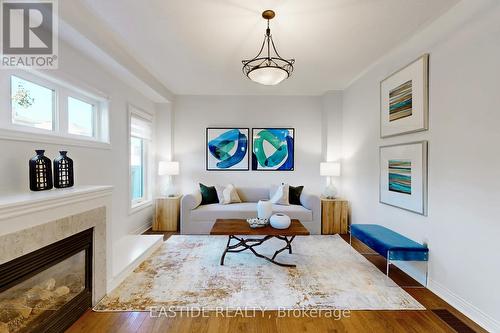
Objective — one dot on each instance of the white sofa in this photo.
(199, 219)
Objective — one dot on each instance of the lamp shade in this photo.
(169, 168)
(268, 76)
(331, 169)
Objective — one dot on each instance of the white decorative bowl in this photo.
(257, 223)
(264, 209)
(280, 221)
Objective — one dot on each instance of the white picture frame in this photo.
(404, 99)
(403, 176)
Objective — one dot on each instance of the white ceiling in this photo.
(196, 46)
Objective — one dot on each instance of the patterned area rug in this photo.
(185, 273)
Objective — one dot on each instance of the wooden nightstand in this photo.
(167, 214)
(334, 216)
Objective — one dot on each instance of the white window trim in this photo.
(59, 135)
(148, 186)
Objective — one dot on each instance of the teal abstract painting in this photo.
(400, 176)
(227, 149)
(273, 149)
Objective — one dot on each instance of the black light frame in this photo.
(269, 61)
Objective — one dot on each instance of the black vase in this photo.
(63, 171)
(40, 172)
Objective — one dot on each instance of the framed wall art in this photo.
(403, 176)
(227, 149)
(273, 149)
(404, 99)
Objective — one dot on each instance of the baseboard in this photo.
(469, 310)
(142, 228)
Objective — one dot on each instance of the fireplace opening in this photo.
(48, 289)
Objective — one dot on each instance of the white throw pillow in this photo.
(279, 194)
(227, 194)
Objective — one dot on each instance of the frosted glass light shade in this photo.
(168, 168)
(331, 169)
(268, 76)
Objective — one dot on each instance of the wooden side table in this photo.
(334, 216)
(167, 214)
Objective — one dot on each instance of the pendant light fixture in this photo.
(268, 67)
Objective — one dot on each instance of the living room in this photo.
(229, 166)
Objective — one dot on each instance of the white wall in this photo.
(332, 132)
(92, 166)
(462, 227)
(193, 114)
(164, 118)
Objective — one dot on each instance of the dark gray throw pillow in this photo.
(208, 194)
(294, 194)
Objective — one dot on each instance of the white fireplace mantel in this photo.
(29, 202)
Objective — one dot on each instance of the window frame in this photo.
(148, 148)
(55, 105)
(95, 115)
(60, 131)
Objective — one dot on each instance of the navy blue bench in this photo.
(389, 244)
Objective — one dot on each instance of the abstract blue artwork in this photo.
(400, 176)
(273, 149)
(403, 176)
(227, 149)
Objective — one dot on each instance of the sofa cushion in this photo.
(253, 194)
(227, 194)
(279, 194)
(208, 194)
(294, 194)
(246, 210)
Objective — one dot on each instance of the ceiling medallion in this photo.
(268, 67)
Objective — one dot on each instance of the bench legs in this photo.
(426, 271)
(389, 263)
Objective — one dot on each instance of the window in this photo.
(32, 104)
(137, 168)
(37, 107)
(80, 117)
(140, 147)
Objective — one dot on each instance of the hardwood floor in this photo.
(273, 321)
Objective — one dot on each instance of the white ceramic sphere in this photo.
(280, 221)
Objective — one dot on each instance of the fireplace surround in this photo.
(48, 289)
(33, 221)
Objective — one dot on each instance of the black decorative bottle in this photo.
(40, 172)
(63, 171)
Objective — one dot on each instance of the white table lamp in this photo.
(329, 169)
(168, 168)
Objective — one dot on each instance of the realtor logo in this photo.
(29, 30)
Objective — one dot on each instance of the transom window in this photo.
(80, 117)
(47, 107)
(32, 104)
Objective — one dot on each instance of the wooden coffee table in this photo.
(234, 228)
